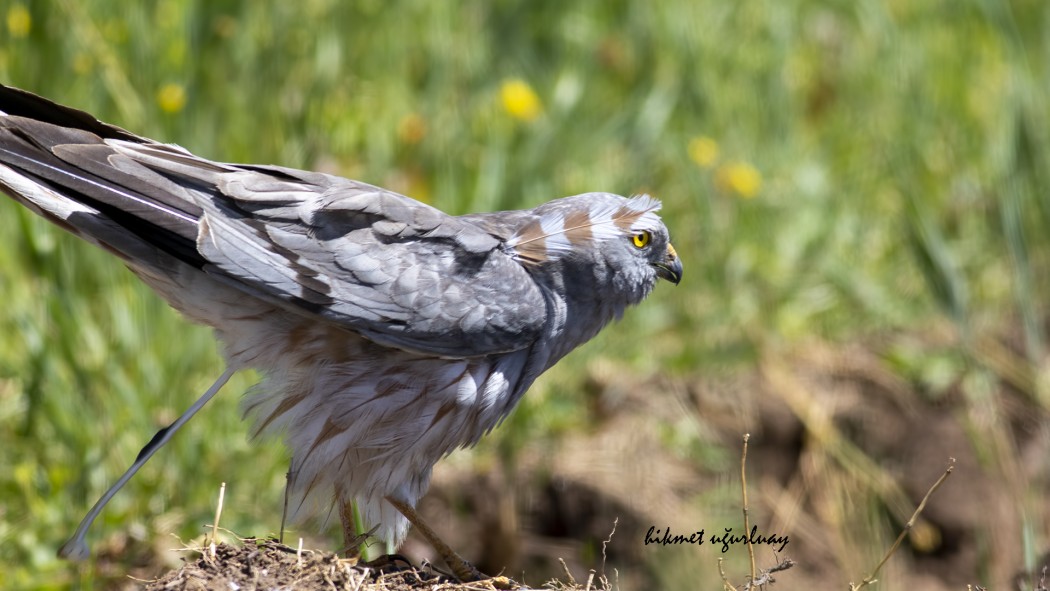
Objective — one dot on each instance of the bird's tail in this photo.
(64, 165)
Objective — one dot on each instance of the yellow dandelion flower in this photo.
(412, 129)
(703, 151)
(171, 98)
(19, 21)
(520, 100)
(740, 178)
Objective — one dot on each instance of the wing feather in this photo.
(398, 271)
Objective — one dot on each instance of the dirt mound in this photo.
(268, 564)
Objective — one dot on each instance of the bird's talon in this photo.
(502, 582)
(466, 572)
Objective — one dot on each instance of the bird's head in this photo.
(621, 242)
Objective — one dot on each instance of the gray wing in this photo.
(400, 272)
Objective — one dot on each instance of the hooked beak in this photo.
(671, 267)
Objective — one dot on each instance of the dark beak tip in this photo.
(671, 271)
(671, 267)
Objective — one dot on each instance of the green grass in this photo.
(902, 148)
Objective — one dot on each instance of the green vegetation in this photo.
(832, 171)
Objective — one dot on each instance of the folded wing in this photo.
(398, 271)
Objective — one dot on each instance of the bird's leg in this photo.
(355, 537)
(463, 570)
(76, 548)
(351, 541)
(284, 509)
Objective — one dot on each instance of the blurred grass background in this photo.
(871, 171)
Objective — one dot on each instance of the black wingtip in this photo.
(22, 103)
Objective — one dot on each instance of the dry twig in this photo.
(743, 494)
(757, 579)
(907, 527)
(215, 524)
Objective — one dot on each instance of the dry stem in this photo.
(215, 524)
(907, 527)
(743, 493)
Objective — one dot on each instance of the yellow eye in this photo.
(641, 240)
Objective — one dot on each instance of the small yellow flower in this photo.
(19, 21)
(740, 178)
(171, 98)
(703, 151)
(519, 100)
(412, 129)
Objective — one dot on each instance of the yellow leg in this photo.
(463, 570)
(354, 543)
(351, 544)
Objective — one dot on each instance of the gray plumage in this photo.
(388, 332)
